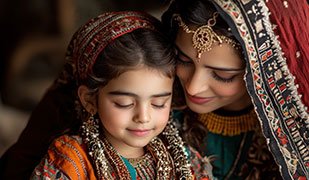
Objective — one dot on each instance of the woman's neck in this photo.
(240, 105)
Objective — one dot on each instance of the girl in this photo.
(117, 86)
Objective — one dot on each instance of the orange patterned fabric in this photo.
(68, 155)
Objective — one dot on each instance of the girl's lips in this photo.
(139, 132)
(198, 100)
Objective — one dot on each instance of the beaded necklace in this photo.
(229, 125)
(171, 159)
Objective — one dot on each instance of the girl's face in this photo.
(215, 80)
(134, 108)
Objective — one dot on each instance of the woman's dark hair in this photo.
(194, 13)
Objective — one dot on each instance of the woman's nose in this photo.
(196, 83)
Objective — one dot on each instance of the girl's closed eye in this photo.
(160, 104)
(123, 104)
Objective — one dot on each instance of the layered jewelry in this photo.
(167, 151)
(229, 125)
(204, 37)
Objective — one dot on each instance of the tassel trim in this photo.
(229, 125)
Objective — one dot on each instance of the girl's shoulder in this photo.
(66, 155)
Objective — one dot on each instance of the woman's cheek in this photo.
(226, 90)
(183, 73)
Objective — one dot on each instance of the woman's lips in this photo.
(198, 100)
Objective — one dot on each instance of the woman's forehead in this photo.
(223, 55)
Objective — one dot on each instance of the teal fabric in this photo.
(225, 150)
(130, 168)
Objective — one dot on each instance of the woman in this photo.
(228, 117)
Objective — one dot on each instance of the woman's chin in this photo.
(200, 109)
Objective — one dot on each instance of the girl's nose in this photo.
(142, 115)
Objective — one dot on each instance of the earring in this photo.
(91, 136)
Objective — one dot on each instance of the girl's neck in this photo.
(123, 149)
(129, 152)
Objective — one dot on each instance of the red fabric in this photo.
(292, 20)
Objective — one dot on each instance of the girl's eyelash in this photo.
(221, 79)
(129, 105)
(159, 106)
(123, 106)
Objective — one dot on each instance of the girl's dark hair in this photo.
(140, 47)
(193, 13)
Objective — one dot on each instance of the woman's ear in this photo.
(87, 99)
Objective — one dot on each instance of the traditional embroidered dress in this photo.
(87, 154)
(68, 158)
(274, 36)
(235, 144)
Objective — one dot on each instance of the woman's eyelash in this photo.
(180, 61)
(219, 78)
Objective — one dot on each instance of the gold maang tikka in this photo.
(204, 36)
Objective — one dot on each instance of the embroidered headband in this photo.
(204, 36)
(90, 40)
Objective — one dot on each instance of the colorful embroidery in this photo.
(280, 113)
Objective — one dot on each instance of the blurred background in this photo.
(34, 37)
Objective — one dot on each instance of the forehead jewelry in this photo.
(204, 36)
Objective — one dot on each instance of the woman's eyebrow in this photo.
(207, 66)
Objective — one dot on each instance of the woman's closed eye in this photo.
(183, 61)
(224, 77)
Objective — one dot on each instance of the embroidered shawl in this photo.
(275, 36)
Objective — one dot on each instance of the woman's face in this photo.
(215, 80)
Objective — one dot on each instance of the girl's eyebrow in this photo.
(211, 67)
(123, 93)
